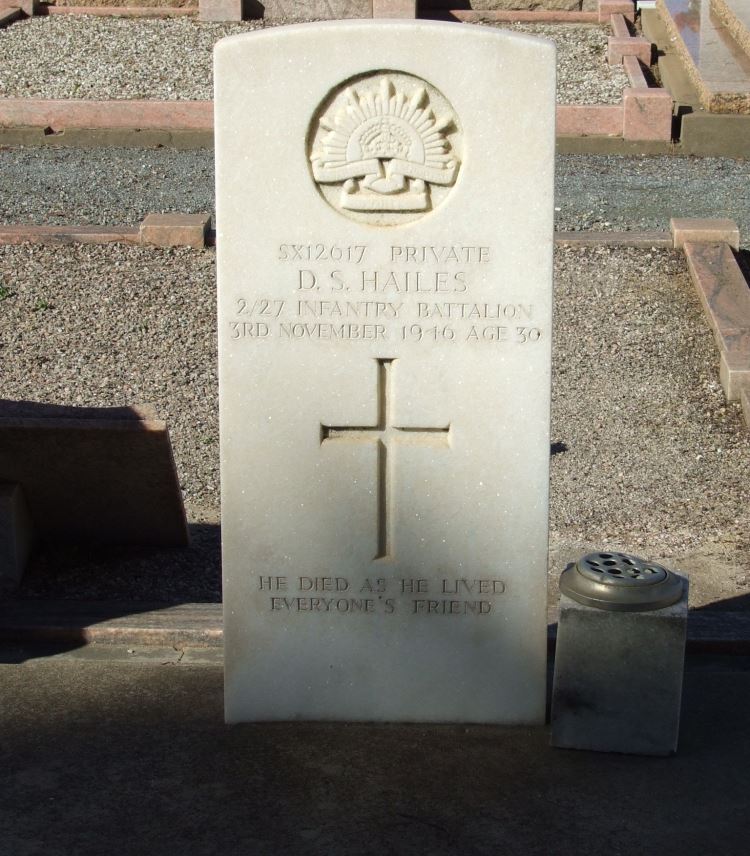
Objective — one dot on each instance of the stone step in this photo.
(735, 16)
(717, 66)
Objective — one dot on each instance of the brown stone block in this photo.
(175, 230)
(589, 119)
(93, 475)
(620, 47)
(745, 399)
(58, 114)
(32, 234)
(647, 114)
(607, 8)
(8, 15)
(25, 6)
(394, 8)
(220, 10)
(701, 230)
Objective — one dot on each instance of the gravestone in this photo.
(384, 234)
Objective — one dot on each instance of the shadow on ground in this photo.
(96, 756)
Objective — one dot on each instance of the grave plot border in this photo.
(642, 121)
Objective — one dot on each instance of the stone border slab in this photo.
(643, 112)
(9, 15)
(175, 230)
(200, 625)
(647, 111)
(30, 234)
(538, 16)
(589, 120)
(221, 10)
(159, 230)
(607, 8)
(700, 230)
(57, 115)
(641, 240)
(121, 11)
(622, 43)
(725, 296)
(153, 138)
(25, 7)
(394, 9)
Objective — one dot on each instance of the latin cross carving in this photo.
(386, 435)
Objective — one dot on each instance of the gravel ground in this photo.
(647, 456)
(61, 185)
(72, 56)
(583, 75)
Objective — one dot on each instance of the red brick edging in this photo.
(121, 11)
(159, 230)
(58, 115)
(642, 115)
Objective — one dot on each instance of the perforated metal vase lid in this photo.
(621, 583)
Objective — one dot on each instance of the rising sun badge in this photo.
(386, 146)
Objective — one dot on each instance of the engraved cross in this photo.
(386, 436)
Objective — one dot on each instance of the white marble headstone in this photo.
(384, 231)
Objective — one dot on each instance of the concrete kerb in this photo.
(724, 294)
